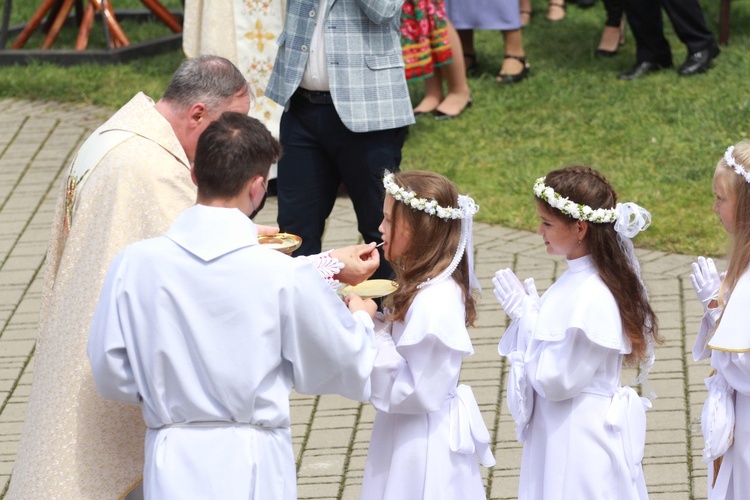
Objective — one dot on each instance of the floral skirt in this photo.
(424, 37)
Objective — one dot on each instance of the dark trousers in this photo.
(319, 154)
(614, 10)
(644, 17)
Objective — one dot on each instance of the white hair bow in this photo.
(631, 219)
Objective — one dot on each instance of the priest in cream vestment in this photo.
(76, 444)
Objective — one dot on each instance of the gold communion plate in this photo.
(283, 242)
(372, 289)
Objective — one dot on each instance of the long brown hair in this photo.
(739, 190)
(433, 243)
(586, 186)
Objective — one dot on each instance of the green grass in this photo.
(110, 86)
(657, 139)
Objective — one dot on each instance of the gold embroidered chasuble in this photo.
(76, 444)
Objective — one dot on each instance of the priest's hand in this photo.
(267, 230)
(357, 303)
(360, 261)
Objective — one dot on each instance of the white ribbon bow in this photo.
(627, 415)
(631, 219)
(469, 434)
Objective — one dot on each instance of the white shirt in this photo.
(315, 76)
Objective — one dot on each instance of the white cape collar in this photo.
(210, 232)
(733, 332)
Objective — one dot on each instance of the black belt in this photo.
(315, 96)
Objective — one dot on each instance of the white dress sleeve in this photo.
(330, 350)
(416, 378)
(564, 368)
(113, 373)
(735, 367)
(420, 372)
(708, 324)
(520, 393)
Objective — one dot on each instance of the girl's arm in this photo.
(566, 367)
(708, 325)
(735, 366)
(416, 378)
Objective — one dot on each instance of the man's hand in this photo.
(360, 261)
(267, 230)
(357, 303)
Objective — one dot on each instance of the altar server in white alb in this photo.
(428, 433)
(584, 434)
(208, 332)
(725, 334)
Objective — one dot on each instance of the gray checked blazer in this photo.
(364, 61)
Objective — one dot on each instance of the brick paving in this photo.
(331, 434)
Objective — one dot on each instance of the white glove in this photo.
(511, 293)
(706, 281)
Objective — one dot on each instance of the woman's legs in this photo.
(433, 93)
(614, 28)
(454, 75)
(556, 10)
(524, 7)
(513, 47)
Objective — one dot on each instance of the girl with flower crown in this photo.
(428, 430)
(724, 334)
(584, 433)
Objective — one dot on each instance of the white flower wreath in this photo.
(571, 208)
(732, 163)
(430, 207)
(465, 212)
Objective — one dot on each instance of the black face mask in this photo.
(260, 207)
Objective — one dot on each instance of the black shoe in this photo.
(471, 63)
(439, 115)
(606, 53)
(504, 78)
(699, 62)
(642, 68)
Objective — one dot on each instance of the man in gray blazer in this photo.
(339, 73)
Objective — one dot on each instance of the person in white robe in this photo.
(428, 431)
(208, 331)
(583, 433)
(129, 181)
(724, 335)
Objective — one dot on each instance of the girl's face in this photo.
(393, 248)
(724, 204)
(560, 236)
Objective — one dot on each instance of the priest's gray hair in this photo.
(212, 80)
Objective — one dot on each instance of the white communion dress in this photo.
(428, 431)
(584, 433)
(725, 420)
